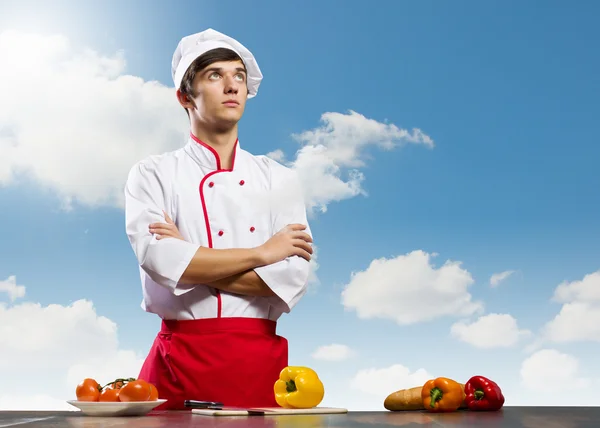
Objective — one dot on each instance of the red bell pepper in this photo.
(483, 394)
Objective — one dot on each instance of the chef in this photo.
(221, 237)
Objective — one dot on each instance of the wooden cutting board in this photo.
(268, 411)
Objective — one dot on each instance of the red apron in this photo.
(235, 361)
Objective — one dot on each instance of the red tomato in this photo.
(137, 390)
(110, 394)
(154, 393)
(88, 390)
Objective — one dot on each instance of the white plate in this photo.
(118, 408)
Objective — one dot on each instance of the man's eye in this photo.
(214, 75)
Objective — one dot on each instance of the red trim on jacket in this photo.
(203, 201)
(215, 154)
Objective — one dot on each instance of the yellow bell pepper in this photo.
(298, 387)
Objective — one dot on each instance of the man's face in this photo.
(220, 94)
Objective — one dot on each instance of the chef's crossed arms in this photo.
(289, 241)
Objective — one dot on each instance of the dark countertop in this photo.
(509, 417)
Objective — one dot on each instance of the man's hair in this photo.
(200, 63)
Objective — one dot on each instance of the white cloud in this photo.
(277, 155)
(497, 278)
(75, 121)
(382, 382)
(53, 347)
(33, 402)
(338, 147)
(579, 317)
(333, 352)
(549, 371)
(490, 331)
(578, 321)
(10, 287)
(313, 279)
(409, 289)
(586, 290)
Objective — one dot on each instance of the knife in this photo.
(215, 405)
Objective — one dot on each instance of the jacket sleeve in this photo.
(164, 260)
(288, 278)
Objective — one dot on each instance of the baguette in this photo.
(409, 399)
(405, 399)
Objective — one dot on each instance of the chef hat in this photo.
(192, 46)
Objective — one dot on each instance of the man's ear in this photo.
(184, 100)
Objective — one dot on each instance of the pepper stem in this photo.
(479, 394)
(436, 395)
(290, 386)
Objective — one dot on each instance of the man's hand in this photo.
(289, 241)
(165, 230)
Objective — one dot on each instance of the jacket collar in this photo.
(207, 156)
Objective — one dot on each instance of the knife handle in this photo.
(201, 404)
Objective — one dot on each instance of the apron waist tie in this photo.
(211, 325)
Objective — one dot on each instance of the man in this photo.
(221, 237)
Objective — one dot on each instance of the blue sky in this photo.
(507, 91)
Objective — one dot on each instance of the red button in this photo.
(252, 229)
(242, 183)
(211, 184)
(220, 233)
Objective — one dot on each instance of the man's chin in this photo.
(229, 118)
(226, 122)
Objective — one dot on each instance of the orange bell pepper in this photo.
(442, 395)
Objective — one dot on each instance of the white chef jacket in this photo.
(212, 207)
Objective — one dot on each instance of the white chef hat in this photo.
(194, 45)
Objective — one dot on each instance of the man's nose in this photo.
(231, 86)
